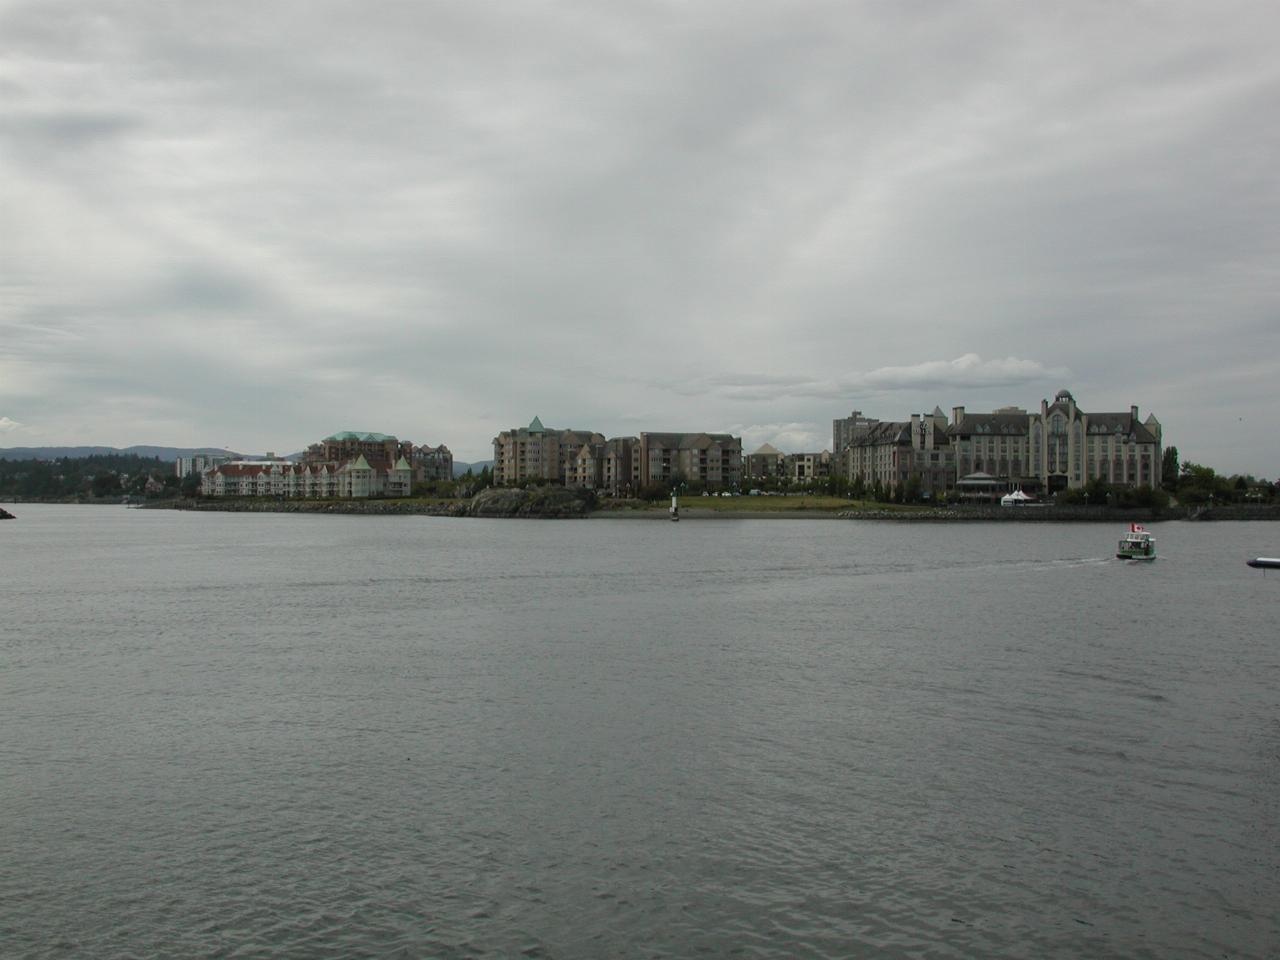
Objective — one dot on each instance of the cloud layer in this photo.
(249, 226)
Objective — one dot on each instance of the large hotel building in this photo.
(1057, 448)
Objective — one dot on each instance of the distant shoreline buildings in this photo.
(347, 465)
(619, 466)
(976, 455)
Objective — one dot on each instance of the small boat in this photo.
(675, 508)
(1137, 544)
(1265, 563)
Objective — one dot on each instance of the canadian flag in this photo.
(1136, 528)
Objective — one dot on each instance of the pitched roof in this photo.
(767, 450)
(365, 437)
(885, 431)
(997, 424)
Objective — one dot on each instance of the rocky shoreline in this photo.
(561, 503)
(541, 503)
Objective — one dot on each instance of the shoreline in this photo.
(659, 511)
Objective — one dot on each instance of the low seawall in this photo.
(1042, 514)
(365, 507)
(557, 503)
(539, 503)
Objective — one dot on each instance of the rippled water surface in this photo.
(271, 735)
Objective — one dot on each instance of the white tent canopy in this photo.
(1014, 499)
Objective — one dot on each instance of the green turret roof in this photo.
(536, 426)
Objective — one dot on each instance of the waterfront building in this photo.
(767, 463)
(345, 465)
(617, 466)
(899, 454)
(1058, 448)
(611, 466)
(354, 479)
(199, 463)
(714, 459)
(803, 467)
(536, 453)
(431, 463)
(379, 449)
(846, 429)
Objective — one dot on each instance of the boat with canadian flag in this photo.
(1137, 544)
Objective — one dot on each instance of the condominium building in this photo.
(585, 458)
(713, 459)
(803, 467)
(612, 465)
(347, 465)
(354, 479)
(898, 453)
(380, 450)
(431, 463)
(845, 430)
(199, 463)
(536, 453)
(767, 463)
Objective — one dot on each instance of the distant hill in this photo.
(459, 468)
(168, 454)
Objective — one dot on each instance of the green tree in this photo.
(1169, 469)
(105, 484)
(911, 490)
(654, 491)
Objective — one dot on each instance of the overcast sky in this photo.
(254, 224)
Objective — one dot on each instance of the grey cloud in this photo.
(607, 214)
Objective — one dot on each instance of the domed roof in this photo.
(1064, 396)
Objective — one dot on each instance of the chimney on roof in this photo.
(1133, 411)
(957, 414)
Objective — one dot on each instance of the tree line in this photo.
(99, 475)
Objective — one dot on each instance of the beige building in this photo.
(803, 467)
(379, 449)
(612, 466)
(898, 453)
(845, 430)
(713, 459)
(1058, 448)
(618, 466)
(536, 453)
(431, 463)
(353, 479)
(767, 463)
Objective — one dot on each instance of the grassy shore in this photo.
(762, 505)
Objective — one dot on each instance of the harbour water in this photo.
(245, 735)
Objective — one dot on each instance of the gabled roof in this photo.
(993, 424)
(884, 432)
(1123, 424)
(767, 450)
(688, 441)
(359, 463)
(365, 437)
